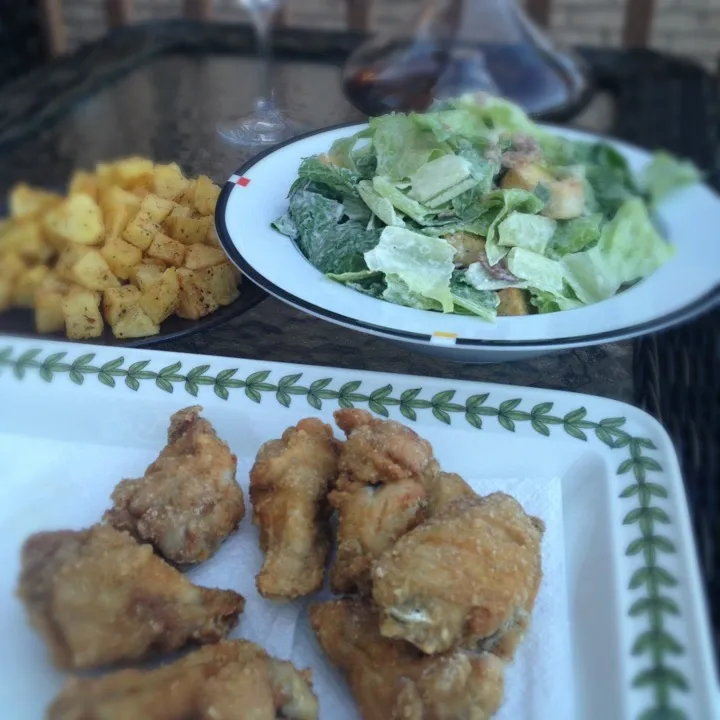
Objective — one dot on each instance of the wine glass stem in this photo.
(262, 19)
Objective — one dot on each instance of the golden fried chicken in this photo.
(444, 489)
(393, 680)
(289, 484)
(97, 598)
(468, 577)
(385, 470)
(188, 501)
(228, 681)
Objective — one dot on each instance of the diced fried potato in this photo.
(132, 171)
(188, 230)
(146, 274)
(220, 280)
(12, 266)
(211, 237)
(526, 177)
(121, 257)
(83, 182)
(205, 195)
(156, 208)
(118, 301)
(6, 293)
(81, 310)
(187, 197)
(27, 284)
(134, 324)
(513, 301)
(92, 272)
(68, 259)
(49, 316)
(27, 202)
(160, 300)
(200, 256)
(78, 219)
(140, 231)
(169, 181)
(195, 301)
(166, 249)
(26, 239)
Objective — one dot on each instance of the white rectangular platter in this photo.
(620, 628)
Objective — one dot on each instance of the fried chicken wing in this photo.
(289, 484)
(188, 501)
(385, 470)
(393, 680)
(232, 680)
(467, 576)
(97, 598)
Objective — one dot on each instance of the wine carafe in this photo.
(458, 46)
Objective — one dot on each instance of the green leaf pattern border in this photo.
(650, 582)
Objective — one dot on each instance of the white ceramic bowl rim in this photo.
(256, 194)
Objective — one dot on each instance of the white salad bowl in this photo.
(684, 287)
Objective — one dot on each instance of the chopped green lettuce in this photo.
(418, 212)
(531, 232)
(574, 235)
(423, 263)
(286, 225)
(539, 272)
(481, 279)
(397, 291)
(437, 176)
(340, 181)
(483, 303)
(665, 174)
(379, 205)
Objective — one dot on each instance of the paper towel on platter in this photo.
(539, 682)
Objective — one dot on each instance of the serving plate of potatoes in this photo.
(128, 255)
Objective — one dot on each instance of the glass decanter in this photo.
(458, 46)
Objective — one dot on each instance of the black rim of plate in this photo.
(690, 311)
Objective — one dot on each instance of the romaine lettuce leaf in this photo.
(397, 292)
(423, 263)
(286, 225)
(331, 246)
(531, 232)
(401, 145)
(365, 161)
(341, 151)
(483, 303)
(379, 205)
(437, 176)
(477, 276)
(368, 282)
(539, 272)
(665, 174)
(341, 181)
(548, 302)
(418, 212)
(574, 235)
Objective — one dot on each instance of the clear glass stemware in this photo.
(267, 124)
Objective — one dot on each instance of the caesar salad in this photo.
(473, 209)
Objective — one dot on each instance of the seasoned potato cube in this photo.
(140, 231)
(134, 324)
(12, 266)
(121, 257)
(146, 274)
(132, 171)
(188, 230)
(205, 195)
(169, 181)
(119, 207)
(526, 177)
(200, 256)
(6, 293)
(211, 237)
(68, 259)
(26, 239)
(78, 219)
(513, 301)
(117, 301)
(27, 202)
(92, 272)
(27, 284)
(166, 249)
(160, 300)
(195, 301)
(187, 197)
(220, 280)
(156, 208)
(83, 182)
(49, 316)
(81, 310)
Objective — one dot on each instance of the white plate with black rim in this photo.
(619, 631)
(683, 288)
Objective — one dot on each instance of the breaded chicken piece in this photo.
(188, 501)
(392, 680)
(97, 598)
(468, 577)
(444, 489)
(385, 470)
(228, 681)
(289, 484)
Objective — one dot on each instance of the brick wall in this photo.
(685, 27)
